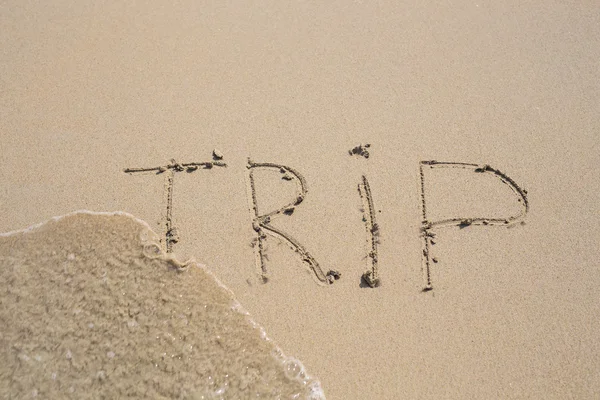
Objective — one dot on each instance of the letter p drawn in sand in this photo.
(428, 226)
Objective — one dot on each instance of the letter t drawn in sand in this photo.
(261, 223)
(171, 233)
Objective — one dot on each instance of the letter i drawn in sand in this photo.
(371, 276)
(171, 232)
(261, 223)
(428, 226)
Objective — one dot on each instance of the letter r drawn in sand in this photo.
(261, 223)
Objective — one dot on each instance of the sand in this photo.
(90, 90)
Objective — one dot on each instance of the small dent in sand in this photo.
(152, 250)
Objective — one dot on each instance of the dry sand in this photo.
(88, 90)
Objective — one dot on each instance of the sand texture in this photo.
(403, 194)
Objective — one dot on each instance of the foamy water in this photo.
(91, 307)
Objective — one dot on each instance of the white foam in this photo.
(293, 368)
(73, 213)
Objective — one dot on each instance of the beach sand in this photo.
(89, 91)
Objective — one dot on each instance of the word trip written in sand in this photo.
(262, 222)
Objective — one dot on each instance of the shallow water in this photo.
(92, 308)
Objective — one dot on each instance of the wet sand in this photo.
(92, 308)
